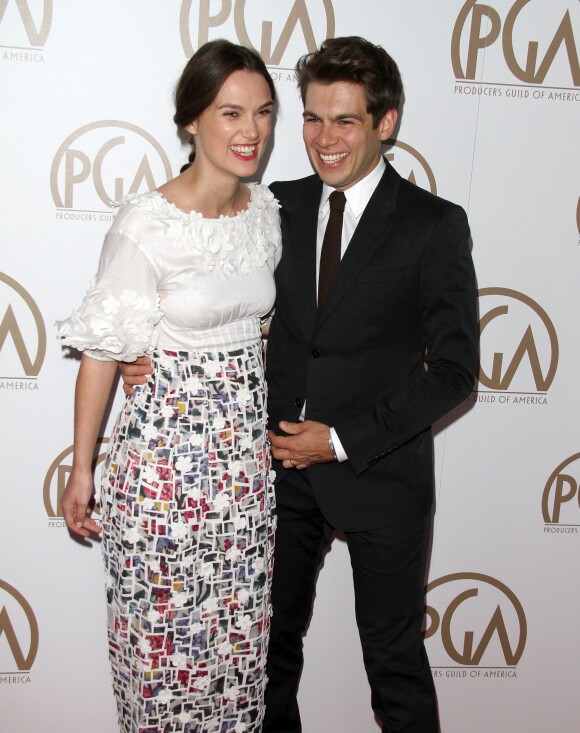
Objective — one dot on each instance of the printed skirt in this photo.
(187, 502)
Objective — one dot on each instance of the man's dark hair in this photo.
(358, 61)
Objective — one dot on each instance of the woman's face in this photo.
(231, 134)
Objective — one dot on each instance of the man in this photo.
(373, 339)
(391, 349)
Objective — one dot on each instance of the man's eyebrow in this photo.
(341, 116)
(348, 115)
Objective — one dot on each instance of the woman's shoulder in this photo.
(149, 216)
(264, 223)
(141, 205)
(262, 198)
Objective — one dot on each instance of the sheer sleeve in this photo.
(118, 314)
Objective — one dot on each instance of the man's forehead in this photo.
(334, 88)
(343, 97)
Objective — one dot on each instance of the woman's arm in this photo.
(93, 388)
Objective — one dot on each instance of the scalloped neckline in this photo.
(198, 216)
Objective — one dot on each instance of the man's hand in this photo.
(135, 372)
(305, 444)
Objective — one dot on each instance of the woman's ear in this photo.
(191, 128)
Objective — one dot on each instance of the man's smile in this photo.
(331, 158)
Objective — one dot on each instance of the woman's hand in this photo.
(75, 504)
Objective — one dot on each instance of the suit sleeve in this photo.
(447, 294)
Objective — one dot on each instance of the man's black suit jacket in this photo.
(392, 351)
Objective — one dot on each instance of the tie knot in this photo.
(337, 201)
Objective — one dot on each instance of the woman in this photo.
(186, 498)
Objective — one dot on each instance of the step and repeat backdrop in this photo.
(490, 121)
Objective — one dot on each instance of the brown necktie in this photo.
(331, 246)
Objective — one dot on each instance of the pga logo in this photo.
(281, 32)
(519, 349)
(104, 161)
(561, 495)
(25, 23)
(529, 41)
(474, 619)
(19, 635)
(22, 331)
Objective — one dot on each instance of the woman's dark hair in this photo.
(355, 60)
(204, 75)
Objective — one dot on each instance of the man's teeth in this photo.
(333, 158)
(243, 149)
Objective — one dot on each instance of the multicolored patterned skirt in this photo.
(187, 502)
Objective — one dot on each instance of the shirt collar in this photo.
(358, 196)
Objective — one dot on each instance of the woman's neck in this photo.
(210, 196)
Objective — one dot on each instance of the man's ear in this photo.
(388, 123)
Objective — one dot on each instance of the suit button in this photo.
(315, 353)
(298, 402)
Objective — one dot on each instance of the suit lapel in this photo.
(370, 234)
(300, 230)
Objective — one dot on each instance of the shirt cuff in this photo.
(341, 456)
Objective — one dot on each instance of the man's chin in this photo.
(330, 176)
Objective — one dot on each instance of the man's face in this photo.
(338, 133)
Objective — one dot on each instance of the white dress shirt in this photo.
(357, 198)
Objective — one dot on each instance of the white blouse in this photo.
(178, 281)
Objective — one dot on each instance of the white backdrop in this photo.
(490, 121)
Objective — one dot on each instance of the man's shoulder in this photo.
(415, 198)
(290, 191)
